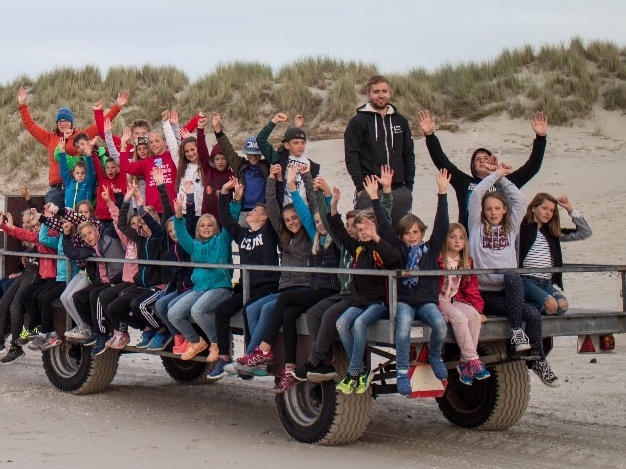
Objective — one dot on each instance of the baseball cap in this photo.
(250, 147)
(294, 132)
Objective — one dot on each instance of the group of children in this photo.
(279, 210)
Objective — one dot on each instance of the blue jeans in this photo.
(163, 305)
(537, 291)
(352, 327)
(259, 314)
(429, 313)
(56, 196)
(202, 304)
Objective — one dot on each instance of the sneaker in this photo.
(23, 338)
(14, 354)
(533, 354)
(302, 372)
(160, 341)
(121, 341)
(322, 373)
(347, 384)
(70, 334)
(542, 369)
(37, 342)
(52, 340)
(231, 368)
(287, 380)
(258, 370)
(83, 334)
(465, 373)
(110, 341)
(439, 367)
(478, 369)
(180, 344)
(194, 349)
(363, 382)
(214, 353)
(258, 357)
(218, 371)
(91, 340)
(520, 340)
(403, 383)
(100, 345)
(32, 333)
(146, 337)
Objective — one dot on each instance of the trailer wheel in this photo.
(496, 403)
(316, 413)
(185, 371)
(72, 369)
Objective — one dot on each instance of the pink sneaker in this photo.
(287, 380)
(121, 341)
(114, 337)
(258, 357)
(180, 344)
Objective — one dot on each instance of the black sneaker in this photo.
(321, 373)
(542, 369)
(14, 354)
(302, 372)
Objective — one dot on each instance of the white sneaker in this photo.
(72, 333)
(83, 333)
(520, 340)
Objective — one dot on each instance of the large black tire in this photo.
(186, 372)
(316, 413)
(71, 368)
(496, 403)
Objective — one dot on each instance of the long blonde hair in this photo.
(465, 261)
(507, 221)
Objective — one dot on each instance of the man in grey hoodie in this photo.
(378, 135)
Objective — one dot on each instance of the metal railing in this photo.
(392, 276)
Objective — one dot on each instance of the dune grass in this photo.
(565, 80)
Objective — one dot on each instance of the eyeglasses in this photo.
(63, 121)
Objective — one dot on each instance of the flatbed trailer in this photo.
(316, 412)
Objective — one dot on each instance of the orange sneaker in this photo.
(214, 353)
(194, 348)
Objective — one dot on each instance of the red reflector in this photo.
(587, 346)
(607, 342)
(423, 356)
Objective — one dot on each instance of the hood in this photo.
(367, 107)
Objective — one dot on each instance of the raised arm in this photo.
(170, 138)
(265, 146)
(273, 209)
(234, 160)
(525, 173)
(582, 230)
(306, 218)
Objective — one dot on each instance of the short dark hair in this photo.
(140, 123)
(110, 160)
(81, 136)
(375, 80)
(80, 164)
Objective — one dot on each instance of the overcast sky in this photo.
(39, 35)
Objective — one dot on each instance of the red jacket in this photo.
(47, 267)
(118, 182)
(51, 139)
(468, 289)
(213, 179)
(144, 168)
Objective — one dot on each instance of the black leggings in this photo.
(510, 302)
(321, 320)
(45, 299)
(289, 306)
(130, 308)
(86, 302)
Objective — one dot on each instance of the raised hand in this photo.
(9, 220)
(157, 175)
(184, 133)
(539, 123)
(98, 105)
(21, 95)
(179, 202)
(202, 121)
(24, 191)
(276, 172)
(504, 169)
(371, 187)
(105, 194)
(108, 126)
(426, 122)
(125, 138)
(292, 174)
(188, 187)
(230, 184)
(335, 197)
(165, 115)
(129, 192)
(320, 184)
(564, 202)
(122, 98)
(174, 117)
(67, 228)
(67, 133)
(216, 122)
(298, 121)
(53, 208)
(61, 144)
(280, 117)
(492, 163)
(94, 141)
(369, 230)
(386, 177)
(46, 210)
(238, 190)
(443, 179)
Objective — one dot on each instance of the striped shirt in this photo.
(539, 256)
